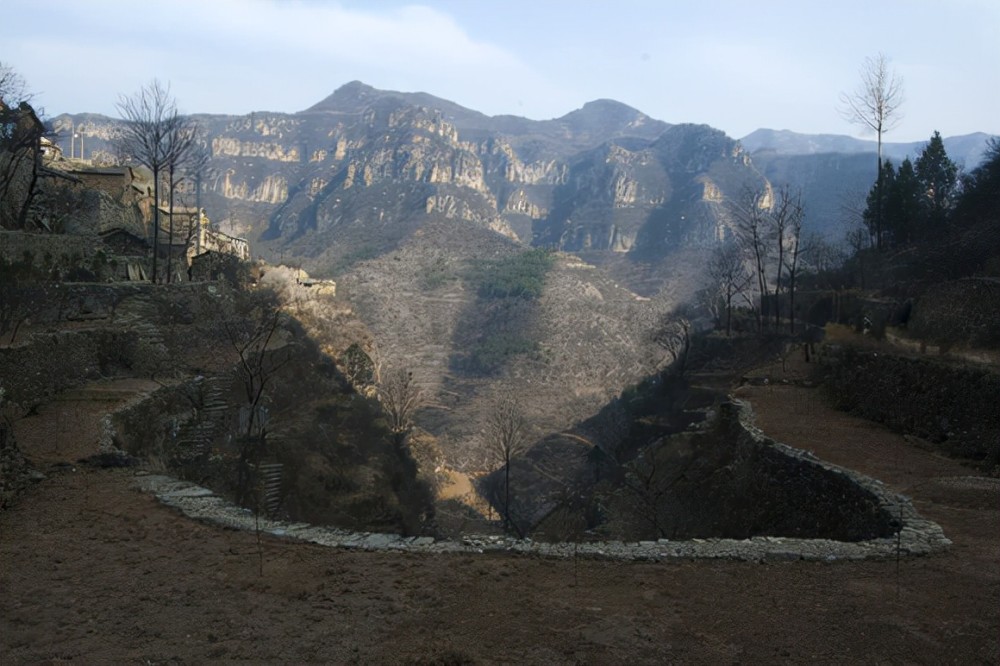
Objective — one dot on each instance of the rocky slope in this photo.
(565, 353)
(402, 196)
(353, 175)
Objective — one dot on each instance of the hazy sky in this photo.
(736, 65)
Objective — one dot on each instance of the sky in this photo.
(736, 65)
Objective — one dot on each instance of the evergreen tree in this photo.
(877, 204)
(980, 197)
(903, 214)
(938, 177)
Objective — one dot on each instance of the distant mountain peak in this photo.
(604, 109)
(966, 150)
(605, 104)
(349, 97)
(610, 117)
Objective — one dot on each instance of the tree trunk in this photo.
(32, 186)
(729, 313)
(506, 491)
(170, 224)
(777, 282)
(791, 303)
(197, 205)
(156, 217)
(878, 194)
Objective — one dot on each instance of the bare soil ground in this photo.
(92, 571)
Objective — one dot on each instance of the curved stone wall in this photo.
(917, 536)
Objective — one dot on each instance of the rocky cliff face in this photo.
(406, 198)
(363, 168)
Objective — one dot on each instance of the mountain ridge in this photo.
(604, 177)
(965, 149)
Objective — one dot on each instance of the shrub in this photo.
(518, 276)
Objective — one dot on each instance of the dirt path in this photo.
(95, 572)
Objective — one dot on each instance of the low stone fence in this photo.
(917, 536)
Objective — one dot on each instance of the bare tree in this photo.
(674, 337)
(21, 133)
(651, 480)
(794, 218)
(400, 397)
(786, 223)
(20, 143)
(874, 106)
(507, 438)
(750, 212)
(13, 87)
(153, 135)
(197, 168)
(180, 140)
(250, 323)
(729, 276)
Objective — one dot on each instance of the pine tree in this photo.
(904, 215)
(980, 197)
(938, 177)
(877, 204)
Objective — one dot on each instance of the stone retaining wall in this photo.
(916, 537)
(41, 257)
(50, 363)
(963, 312)
(949, 405)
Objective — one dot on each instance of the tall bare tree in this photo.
(750, 212)
(874, 105)
(181, 141)
(507, 438)
(786, 217)
(729, 276)
(197, 168)
(792, 263)
(155, 135)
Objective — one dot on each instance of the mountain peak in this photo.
(352, 96)
(604, 109)
(609, 117)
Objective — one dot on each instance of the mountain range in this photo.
(966, 150)
(350, 176)
(403, 197)
(408, 200)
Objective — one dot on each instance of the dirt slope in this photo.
(95, 572)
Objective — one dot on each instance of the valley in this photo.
(415, 384)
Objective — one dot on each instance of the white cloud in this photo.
(737, 67)
(240, 55)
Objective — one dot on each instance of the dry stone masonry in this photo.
(916, 537)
